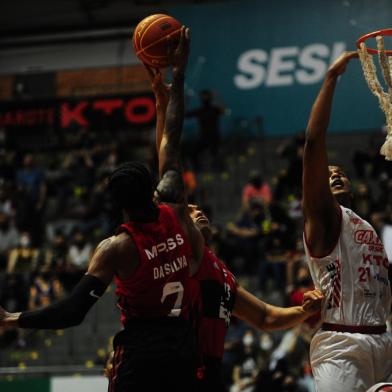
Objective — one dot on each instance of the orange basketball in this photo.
(150, 39)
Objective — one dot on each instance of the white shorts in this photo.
(348, 362)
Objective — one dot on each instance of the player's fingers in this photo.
(352, 54)
(187, 35)
(318, 294)
(187, 39)
(182, 39)
(309, 296)
(171, 47)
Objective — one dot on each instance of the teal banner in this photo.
(268, 58)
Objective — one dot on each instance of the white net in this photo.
(384, 97)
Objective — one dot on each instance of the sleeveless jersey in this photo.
(160, 285)
(216, 288)
(354, 276)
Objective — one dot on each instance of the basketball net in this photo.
(384, 97)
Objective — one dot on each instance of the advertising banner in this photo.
(268, 58)
(102, 112)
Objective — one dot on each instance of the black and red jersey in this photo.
(160, 285)
(216, 288)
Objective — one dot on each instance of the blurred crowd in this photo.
(54, 210)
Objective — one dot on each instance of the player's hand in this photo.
(178, 56)
(161, 90)
(312, 301)
(340, 64)
(3, 316)
(8, 319)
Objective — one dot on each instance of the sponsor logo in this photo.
(368, 237)
(167, 246)
(375, 260)
(93, 294)
(285, 66)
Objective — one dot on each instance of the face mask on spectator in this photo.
(266, 342)
(24, 241)
(247, 340)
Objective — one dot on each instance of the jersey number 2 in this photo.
(174, 288)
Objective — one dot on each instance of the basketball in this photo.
(150, 39)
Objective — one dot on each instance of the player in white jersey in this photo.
(352, 351)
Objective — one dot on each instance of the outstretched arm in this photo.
(169, 149)
(171, 187)
(161, 91)
(267, 317)
(71, 311)
(321, 210)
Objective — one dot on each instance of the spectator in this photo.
(23, 258)
(363, 200)
(244, 374)
(6, 205)
(370, 162)
(7, 171)
(22, 262)
(56, 253)
(32, 187)
(244, 239)
(43, 291)
(190, 183)
(208, 116)
(233, 349)
(290, 180)
(9, 239)
(79, 255)
(256, 188)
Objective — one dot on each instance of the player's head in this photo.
(131, 188)
(340, 184)
(200, 220)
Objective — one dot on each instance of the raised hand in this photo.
(340, 64)
(312, 301)
(178, 54)
(160, 89)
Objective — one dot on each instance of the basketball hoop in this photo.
(383, 33)
(370, 73)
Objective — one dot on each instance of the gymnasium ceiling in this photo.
(46, 18)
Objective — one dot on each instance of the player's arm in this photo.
(71, 311)
(161, 91)
(267, 317)
(321, 210)
(170, 170)
(170, 188)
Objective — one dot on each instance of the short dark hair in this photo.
(131, 186)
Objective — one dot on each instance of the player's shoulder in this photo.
(115, 243)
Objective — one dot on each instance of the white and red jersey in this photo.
(354, 276)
